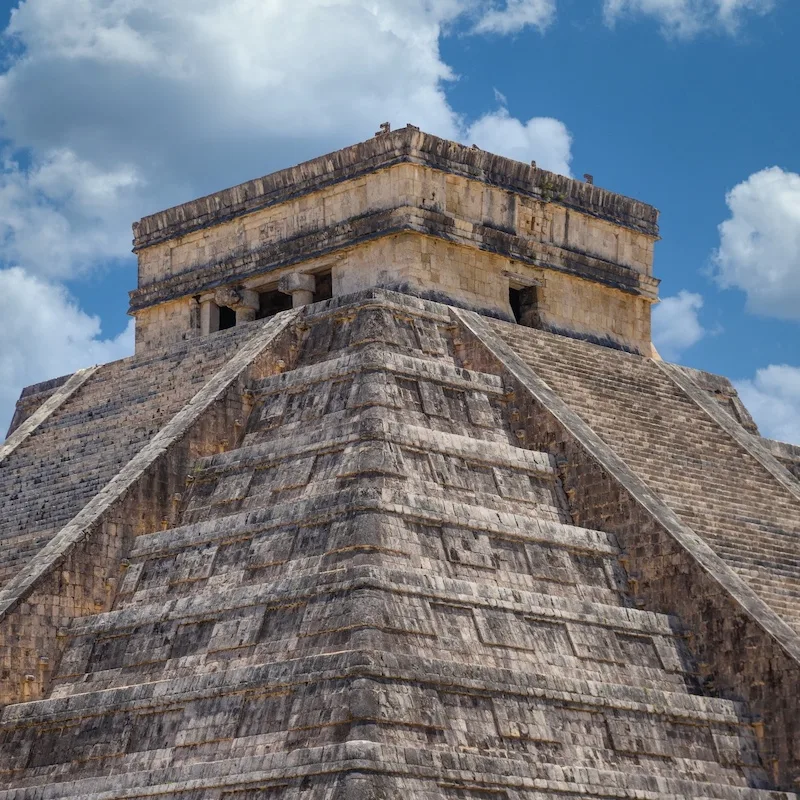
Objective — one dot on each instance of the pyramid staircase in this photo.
(637, 407)
(378, 592)
(69, 457)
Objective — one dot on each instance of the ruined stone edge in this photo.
(362, 757)
(59, 396)
(404, 146)
(75, 530)
(691, 542)
(731, 427)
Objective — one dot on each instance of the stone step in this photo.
(371, 427)
(719, 489)
(416, 677)
(579, 726)
(378, 359)
(399, 609)
(145, 668)
(433, 394)
(430, 587)
(480, 487)
(322, 533)
(351, 769)
(348, 501)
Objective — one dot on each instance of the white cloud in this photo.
(112, 109)
(60, 213)
(152, 102)
(759, 250)
(773, 399)
(686, 18)
(515, 15)
(676, 325)
(543, 139)
(46, 335)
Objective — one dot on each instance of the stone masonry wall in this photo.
(454, 272)
(468, 201)
(80, 575)
(593, 249)
(739, 657)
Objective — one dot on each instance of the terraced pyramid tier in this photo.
(378, 592)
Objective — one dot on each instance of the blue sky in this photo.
(111, 109)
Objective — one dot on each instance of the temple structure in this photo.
(396, 499)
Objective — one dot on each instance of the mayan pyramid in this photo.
(397, 500)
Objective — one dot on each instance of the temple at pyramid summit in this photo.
(396, 499)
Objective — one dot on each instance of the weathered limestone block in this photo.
(244, 302)
(300, 286)
(413, 212)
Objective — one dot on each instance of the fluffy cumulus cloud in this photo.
(112, 109)
(759, 250)
(502, 133)
(515, 15)
(46, 335)
(60, 213)
(686, 18)
(676, 324)
(129, 105)
(773, 398)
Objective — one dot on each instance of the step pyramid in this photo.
(380, 590)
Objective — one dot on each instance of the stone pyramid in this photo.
(382, 546)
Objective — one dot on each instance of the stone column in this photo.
(246, 311)
(243, 301)
(209, 317)
(300, 286)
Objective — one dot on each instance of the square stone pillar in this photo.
(245, 314)
(209, 317)
(243, 301)
(300, 286)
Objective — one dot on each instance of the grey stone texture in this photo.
(787, 454)
(74, 452)
(395, 566)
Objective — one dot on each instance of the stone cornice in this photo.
(316, 244)
(407, 145)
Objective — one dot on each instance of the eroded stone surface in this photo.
(413, 212)
(379, 590)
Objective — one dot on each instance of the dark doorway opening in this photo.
(324, 287)
(227, 318)
(272, 302)
(525, 305)
(515, 302)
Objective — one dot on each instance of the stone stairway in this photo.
(72, 454)
(716, 487)
(378, 592)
